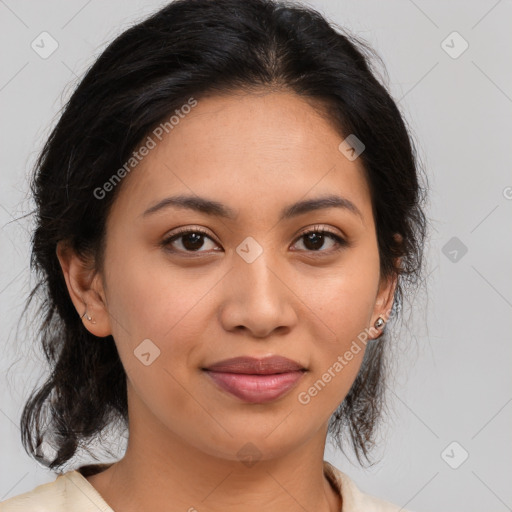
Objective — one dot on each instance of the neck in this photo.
(162, 472)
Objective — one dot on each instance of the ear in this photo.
(383, 303)
(85, 289)
(385, 297)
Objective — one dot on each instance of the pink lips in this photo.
(256, 380)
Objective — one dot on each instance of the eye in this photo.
(191, 240)
(315, 239)
(187, 240)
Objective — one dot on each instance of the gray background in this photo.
(452, 379)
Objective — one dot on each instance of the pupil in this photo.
(196, 241)
(314, 237)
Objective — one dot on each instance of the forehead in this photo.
(248, 150)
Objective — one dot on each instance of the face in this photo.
(184, 288)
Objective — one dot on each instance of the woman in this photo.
(228, 214)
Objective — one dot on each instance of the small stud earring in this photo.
(379, 323)
(87, 316)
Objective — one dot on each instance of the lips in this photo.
(256, 380)
(254, 366)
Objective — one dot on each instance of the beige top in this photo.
(72, 492)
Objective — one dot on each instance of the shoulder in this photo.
(49, 496)
(355, 500)
(69, 492)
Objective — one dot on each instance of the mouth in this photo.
(256, 380)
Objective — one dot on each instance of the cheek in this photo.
(340, 309)
(343, 301)
(153, 299)
(160, 313)
(337, 355)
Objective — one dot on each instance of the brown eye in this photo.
(188, 240)
(316, 240)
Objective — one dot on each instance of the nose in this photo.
(258, 298)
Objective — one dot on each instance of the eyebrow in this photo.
(216, 209)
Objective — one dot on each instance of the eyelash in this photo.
(340, 242)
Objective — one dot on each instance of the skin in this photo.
(255, 153)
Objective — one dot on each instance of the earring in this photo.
(379, 322)
(87, 316)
